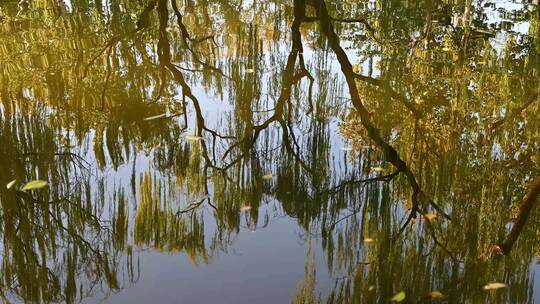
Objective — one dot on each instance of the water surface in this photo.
(209, 151)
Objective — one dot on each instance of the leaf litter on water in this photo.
(268, 176)
(430, 216)
(494, 286)
(193, 138)
(156, 117)
(36, 184)
(400, 296)
(436, 294)
(11, 184)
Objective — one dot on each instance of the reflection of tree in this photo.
(435, 106)
(49, 245)
(526, 205)
(158, 226)
(431, 139)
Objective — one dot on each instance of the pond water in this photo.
(306, 151)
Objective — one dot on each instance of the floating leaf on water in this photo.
(245, 208)
(484, 31)
(369, 240)
(250, 71)
(37, 184)
(193, 138)
(430, 216)
(377, 169)
(436, 294)
(268, 176)
(494, 286)
(156, 117)
(371, 288)
(400, 296)
(11, 184)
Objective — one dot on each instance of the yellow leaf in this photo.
(436, 294)
(11, 184)
(400, 296)
(268, 176)
(156, 117)
(193, 138)
(377, 169)
(245, 208)
(369, 240)
(494, 286)
(250, 71)
(430, 216)
(37, 184)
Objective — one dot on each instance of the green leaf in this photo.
(37, 184)
(11, 184)
(400, 296)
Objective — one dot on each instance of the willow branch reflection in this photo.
(280, 114)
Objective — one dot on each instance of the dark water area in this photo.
(302, 151)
